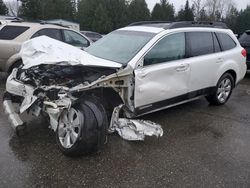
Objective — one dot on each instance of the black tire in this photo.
(214, 98)
(92, 130)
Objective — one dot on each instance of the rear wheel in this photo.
(82, 129)
(223, 90)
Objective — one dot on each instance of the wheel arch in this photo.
(107, 96)
(11, 63)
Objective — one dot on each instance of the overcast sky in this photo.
(178, 3)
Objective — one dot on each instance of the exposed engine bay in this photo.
(76, 98)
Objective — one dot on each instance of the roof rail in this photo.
(45, 22)
(149, 22)
(174, 25)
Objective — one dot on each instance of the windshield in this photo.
(120, 46)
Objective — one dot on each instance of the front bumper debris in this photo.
(133, 130)
(13, 117)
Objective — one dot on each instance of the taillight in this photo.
(244, 52)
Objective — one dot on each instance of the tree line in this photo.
(106, 15)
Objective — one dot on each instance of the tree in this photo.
(138, 11)
(242, 21)
(3, 8)
(186, 14)
(198, 9)
(217, 9)
(101, 21)
(231, 18)
(117, 12)
(163, 11)
(48, 9)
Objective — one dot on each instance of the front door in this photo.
(165, 73)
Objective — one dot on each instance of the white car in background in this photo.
(136, 70)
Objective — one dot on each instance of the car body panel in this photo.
(45, 50)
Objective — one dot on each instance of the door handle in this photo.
(182, 67)
(220, 60)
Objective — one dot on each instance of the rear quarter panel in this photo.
(233, 60)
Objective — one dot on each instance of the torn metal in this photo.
(55, 76)
(133, 130)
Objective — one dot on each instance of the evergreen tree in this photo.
(3, 8)
(163, 11)
(117, 12)
(48, 9)
(186, 14)
(86, 11)
(101, 21)
(231, 18)
(138, 11)
(242, 21)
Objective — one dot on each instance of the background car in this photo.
(245, 42)
(14, 33)
(92, 35)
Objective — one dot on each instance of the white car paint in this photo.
(45, 50)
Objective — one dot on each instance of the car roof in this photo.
(174, 25)
(159, 26)
(34, 24)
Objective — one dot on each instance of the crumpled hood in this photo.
(45, 50)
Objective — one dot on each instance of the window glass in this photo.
(226, 41)
(216, 44)
(168, 49)
(120, 46)
(200, 43)
(11, 32)
(49, 32)
(75, 39)
(93, 35)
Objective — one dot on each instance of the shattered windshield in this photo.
(120, 46)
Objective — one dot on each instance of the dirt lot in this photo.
(202, 146)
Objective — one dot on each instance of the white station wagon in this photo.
(139, 69)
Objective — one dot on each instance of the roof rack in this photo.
(45, 22)
(149, 22)
(174, 25)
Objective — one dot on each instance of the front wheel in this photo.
(82, 128)
(223, 90)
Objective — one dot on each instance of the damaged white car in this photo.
(130, 72)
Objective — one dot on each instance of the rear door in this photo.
(204, 58)
(165, 73)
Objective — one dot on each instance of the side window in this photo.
(216, 44)
(75, 39)
(168, 49)
(11, 32)
(200, 43)
(227, 43)
(52, 33)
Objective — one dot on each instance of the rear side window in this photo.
(200, 43)
(11, 32)
(52, 33)
(227, 43)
